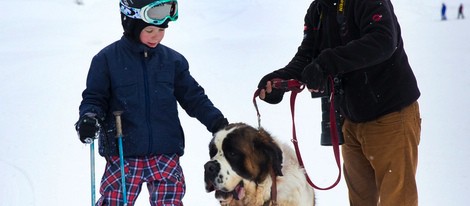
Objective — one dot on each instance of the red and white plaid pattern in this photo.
(163, 175)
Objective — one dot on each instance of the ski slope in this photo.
(46, 47)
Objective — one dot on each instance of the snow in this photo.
(46, 48)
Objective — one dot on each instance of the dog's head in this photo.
(239, 154)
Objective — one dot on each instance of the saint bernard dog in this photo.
(244, 161)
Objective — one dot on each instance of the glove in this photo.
(314, 76)
(87, 128)
(277, 94)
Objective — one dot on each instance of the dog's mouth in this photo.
(225, 197)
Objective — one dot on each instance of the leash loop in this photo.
(296, 87)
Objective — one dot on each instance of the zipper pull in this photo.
(145, 54)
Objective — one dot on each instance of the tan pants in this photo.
(381, 158)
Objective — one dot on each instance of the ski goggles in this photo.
(155, 13)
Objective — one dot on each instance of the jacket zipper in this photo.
(147, 101)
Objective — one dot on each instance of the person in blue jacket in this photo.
(145, 80)
(443, 12)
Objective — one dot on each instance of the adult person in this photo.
(359, 43)
(443, 12)
(460, 13)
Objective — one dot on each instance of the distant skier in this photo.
(443, 12)
(460, 15)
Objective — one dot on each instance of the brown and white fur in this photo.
(243, 160)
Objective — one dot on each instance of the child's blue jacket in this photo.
(146, 84)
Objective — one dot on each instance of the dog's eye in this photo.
(232, 154)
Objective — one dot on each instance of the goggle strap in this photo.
(130, 11)
(136, 13)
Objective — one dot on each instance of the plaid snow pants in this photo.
(381, 158)
(162, 173)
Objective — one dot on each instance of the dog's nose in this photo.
(211, 168)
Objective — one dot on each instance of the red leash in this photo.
(296, 87)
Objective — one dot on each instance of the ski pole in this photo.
(117, 114)
(92, 168)
(91, 141)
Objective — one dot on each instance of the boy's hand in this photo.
(87, 128)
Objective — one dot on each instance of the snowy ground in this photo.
(45, 51)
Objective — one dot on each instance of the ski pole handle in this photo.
(117, 114)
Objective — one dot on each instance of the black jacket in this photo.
(362, 44)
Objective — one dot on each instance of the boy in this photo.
(146, 80)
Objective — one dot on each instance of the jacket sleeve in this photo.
(192, 98)
(97, 90)
(378, 35)
(305, 52)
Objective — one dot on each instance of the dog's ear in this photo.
(272, 151)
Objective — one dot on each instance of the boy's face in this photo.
(152, 36)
